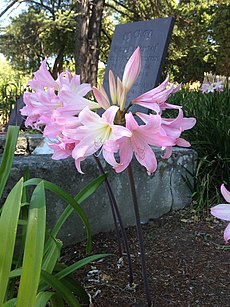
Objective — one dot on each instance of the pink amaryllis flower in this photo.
(94, 133)
(63, 148)
(55, 104)
(138, 144)
(212, 87)
(38, 105)
(218, 86)
(42, 78)
(173, 127)
(155, 99)
(222, 211)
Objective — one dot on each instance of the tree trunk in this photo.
(88, 39)
(58, 64)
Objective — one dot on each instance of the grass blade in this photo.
(34, 245)
(71, 201)
(75, 266)
(10, 303)
(15, 273)
(57, 301)
(60, 288)
(76, 288)
(8, 155)
(8, 228)
(52, 255)
(43, 298)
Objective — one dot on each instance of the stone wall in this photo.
(26, 143)
(158, 194)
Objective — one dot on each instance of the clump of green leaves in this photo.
(211, 139)
(31, 275)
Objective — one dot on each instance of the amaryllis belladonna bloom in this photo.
(222, 211)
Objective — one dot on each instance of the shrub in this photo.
(211, 142)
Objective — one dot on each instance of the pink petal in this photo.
(59, 153)
(83, 89)
(101, 99)
(123, 99)
(168, 152)
(151, 133)
(132, 69)
(110, 114)
(148, 95)
(120, 90)
(79, 155)
(144, 154)
(75, 103)
(43, 76)
(126, 154)
(112, 87)
(225, 193)
(183, 143)
(221, 211)
(227, 233)
(88, 117)
(180, 122)
(109, 158)
(131, 123)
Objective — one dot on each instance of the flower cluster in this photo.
(66, 115)
(222, 211)
(212, 87)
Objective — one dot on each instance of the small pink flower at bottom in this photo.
(222, 211)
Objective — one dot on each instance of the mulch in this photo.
(187, 259)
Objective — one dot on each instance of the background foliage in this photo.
(210, 137)
(51, 28)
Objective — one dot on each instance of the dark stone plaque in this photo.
(16, 119)
(152, 37)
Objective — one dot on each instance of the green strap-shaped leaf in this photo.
(15, 273)
(75, 266)
(10, 303)
(8, 228)
(23, 221)
(42, 298)
(60, 288)
(8, 155)
(70, 200)
(51, 257)
(57, 301)
(74, 286)
(90, 188)
(34, 246)
(86, 192)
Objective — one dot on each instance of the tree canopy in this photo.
(71, 29)
(46, 29)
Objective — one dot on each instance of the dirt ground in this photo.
(188, 265)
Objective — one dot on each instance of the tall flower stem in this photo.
(139, 235)
(117, 216)
(112, 206)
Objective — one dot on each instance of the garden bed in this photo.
(188, 265)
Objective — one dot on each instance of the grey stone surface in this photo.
(158, 194)
(33, 140)
(26, 143)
